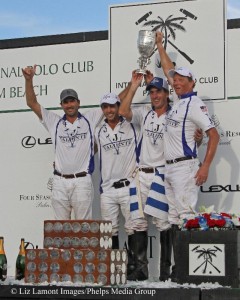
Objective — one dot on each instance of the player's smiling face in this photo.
(70, 107)
(182, 84)
(159, 98)
(110, 111)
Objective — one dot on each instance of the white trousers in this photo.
(141, 224)
(181, 189)
(112, 202)
(75, 195)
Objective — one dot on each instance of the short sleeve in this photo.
(199, 115)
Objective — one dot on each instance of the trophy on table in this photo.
(146, 45)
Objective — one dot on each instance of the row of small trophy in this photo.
(77, 251)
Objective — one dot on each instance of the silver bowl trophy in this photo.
(146, 45)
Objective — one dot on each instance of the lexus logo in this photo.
(31, 141)
(28, 142)
(219, 188)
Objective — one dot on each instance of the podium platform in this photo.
(208, 256)
(208, 266)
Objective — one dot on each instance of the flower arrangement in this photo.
(211, 221)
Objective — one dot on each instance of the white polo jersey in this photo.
(73, 143)
(151, 145)
(185, 116)
(117, 151)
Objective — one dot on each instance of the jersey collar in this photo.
(65, 117)
(168, 108)
(187, 95)
(121, 119)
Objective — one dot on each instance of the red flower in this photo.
(220, 223)
(206, 216)
(211, 222)
(226, 215)
(192, 223)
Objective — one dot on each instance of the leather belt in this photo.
(69, 176)
(121, 183)
(147, 170)
(173, 161)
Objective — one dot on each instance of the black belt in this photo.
(121, 183)
(172, 161)
(147, 170)
(69, 176)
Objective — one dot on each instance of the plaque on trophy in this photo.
(77, 234)
(84, 266)
(146, 45)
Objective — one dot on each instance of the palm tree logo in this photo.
(169, 27)
(207, 255)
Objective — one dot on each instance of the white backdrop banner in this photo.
(79, 66)
(195, 38)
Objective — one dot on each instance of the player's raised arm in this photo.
(124, 92)
(31, 98)
(166, 62)
(125, 107)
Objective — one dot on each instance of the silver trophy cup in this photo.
(146, 45)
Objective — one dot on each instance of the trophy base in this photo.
(141, 71)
